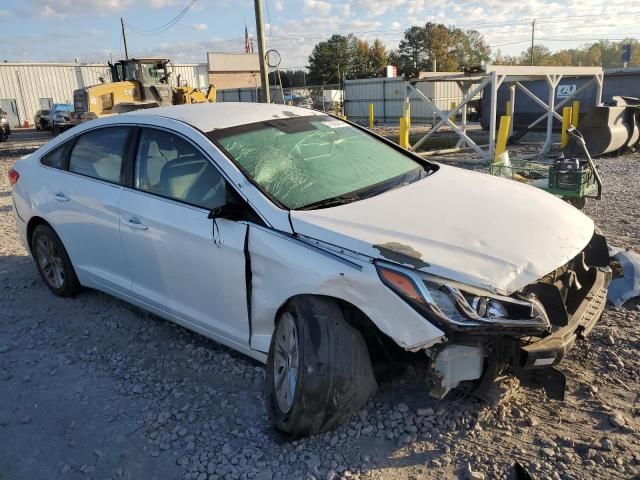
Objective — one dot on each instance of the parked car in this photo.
(41, 120)
(60, 118)
(4, 125)
(313, 245)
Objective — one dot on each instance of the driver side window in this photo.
(169, 166)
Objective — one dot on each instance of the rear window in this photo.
(55, 158)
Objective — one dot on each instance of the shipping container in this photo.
(388, 96)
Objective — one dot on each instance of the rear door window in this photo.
(99, 153)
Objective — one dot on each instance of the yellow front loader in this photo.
(137, 84)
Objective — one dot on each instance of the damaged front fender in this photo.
(283, 267)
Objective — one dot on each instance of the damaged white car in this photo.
(313, 245)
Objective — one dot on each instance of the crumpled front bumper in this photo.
(550, 350)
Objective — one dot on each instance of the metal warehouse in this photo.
(28, 87)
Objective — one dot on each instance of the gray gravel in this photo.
(91, 387)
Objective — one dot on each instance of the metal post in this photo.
(551, 108)
(464, 87)
(512, 106)
(124, 39)
(264, 78)
(493, 113)
(599, 81)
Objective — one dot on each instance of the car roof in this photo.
(212, 116)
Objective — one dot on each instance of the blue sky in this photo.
(89, 30)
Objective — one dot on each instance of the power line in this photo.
(166, 26)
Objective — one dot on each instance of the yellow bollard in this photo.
(503, 134)
(508, 113)
(336, 108)
(371, 116)
(566, 123)
(453, 117)
(408, 116)
(404, 133)
(575, 114)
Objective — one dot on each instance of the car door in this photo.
(83, 183)
(182, 262)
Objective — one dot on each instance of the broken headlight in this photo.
(451, 304)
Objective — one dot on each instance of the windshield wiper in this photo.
(370, 191)
(334, 201)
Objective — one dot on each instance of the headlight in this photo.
(450, 304)
(61, 119)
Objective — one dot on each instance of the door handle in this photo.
(61, 197)
(136, 223)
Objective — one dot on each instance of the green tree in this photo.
(412, 56)
(332, 59)
(450, 48)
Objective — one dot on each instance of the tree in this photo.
(446, 48)
(347, 54)
(470, 47)
(369, 60)
(412, 56)
(331, 56)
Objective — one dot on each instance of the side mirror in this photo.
(230, 211)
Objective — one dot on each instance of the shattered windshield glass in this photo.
(316, 161)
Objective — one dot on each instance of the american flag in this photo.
(248, 41)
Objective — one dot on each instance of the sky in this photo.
(89, 30)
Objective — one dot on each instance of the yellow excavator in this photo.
(137, 83)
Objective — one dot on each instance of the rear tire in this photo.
(323, 361)
(53, 262)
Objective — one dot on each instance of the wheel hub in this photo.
(285, 371)
(50, 262)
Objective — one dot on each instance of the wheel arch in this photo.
(31, 226)
(381, 347)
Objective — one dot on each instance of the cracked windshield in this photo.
(316, 161)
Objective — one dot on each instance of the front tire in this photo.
(53, 262)
(318, 370)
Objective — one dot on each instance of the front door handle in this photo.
(61, 197)
(134, 222)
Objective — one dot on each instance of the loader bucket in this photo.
(608, 128)
(604, 129)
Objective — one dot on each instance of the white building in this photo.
(28, 87)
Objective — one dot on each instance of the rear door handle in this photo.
(61, 197)
(134, 222)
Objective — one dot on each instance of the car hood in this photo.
(480, 230)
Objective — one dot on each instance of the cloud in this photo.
(4, 13)
(278, 5)
(199, 27)
(318, 6)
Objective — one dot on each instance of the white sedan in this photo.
(314, 245)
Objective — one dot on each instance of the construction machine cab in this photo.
(151, 74)
(147, 71)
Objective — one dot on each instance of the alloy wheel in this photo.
(286, 358)
(50, 262)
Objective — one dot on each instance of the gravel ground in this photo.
(91, 387)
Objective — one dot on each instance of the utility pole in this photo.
(264, 77)
(124, 39)
(533, 33)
